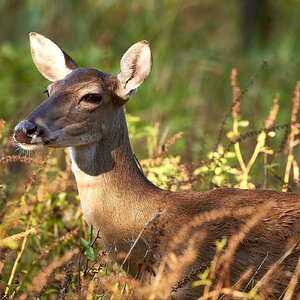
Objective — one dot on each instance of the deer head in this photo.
(82, 104)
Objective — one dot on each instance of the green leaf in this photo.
(88, 250)
(203, 278)
(84, 243)
(221, 244)
(271, 133)
(267, 150)
(51, 291)
(202, 282)
(62, 196)
(271, 166)
(243, 123)
(204, 274)
(90, 254)
(11, 244)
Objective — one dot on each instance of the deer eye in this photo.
(92, 98)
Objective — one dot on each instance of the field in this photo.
(220, 109)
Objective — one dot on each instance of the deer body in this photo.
(85, 112)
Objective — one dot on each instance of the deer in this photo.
(84, 111)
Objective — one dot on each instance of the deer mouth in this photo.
(34, 143)
(30, 147)
(30, 136)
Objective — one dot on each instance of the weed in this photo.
(42, 224)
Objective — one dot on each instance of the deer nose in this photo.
(24, 131)
(26, 127)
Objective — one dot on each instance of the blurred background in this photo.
(195, 45)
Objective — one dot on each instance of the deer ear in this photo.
(135, 67)
(50, 60)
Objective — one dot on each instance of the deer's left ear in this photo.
(52, 62)
(135, 67)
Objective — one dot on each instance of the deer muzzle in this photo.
(27, 135)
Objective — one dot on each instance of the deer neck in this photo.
(116, 197)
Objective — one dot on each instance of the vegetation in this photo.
(202, 124)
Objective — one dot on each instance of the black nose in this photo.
(24, 130)
(26, 127)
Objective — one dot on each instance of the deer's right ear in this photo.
(135, 67)
(50, 60)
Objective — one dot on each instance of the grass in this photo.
(42, 223)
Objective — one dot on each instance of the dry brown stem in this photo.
(269, 122)
(292, 141)
(199, 220)
(21, 159)
(172, 141)
(293, 283)
(273, 269)
(172, 267)
(2, 123)
(226, 259)
(39, 281)
(19, 236)
(236, 94)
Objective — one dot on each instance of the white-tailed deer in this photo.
(84, 111)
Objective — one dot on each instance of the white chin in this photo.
(30, 147)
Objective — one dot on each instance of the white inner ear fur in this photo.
(135, 67)
(49, 59)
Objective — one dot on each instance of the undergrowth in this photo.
(48, 252)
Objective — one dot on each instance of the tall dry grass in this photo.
(41, 219)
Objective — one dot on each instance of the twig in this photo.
(263, 65)
(264, 260)
(293, 283)
(152, 219)
(270, 272)
(291, 139)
